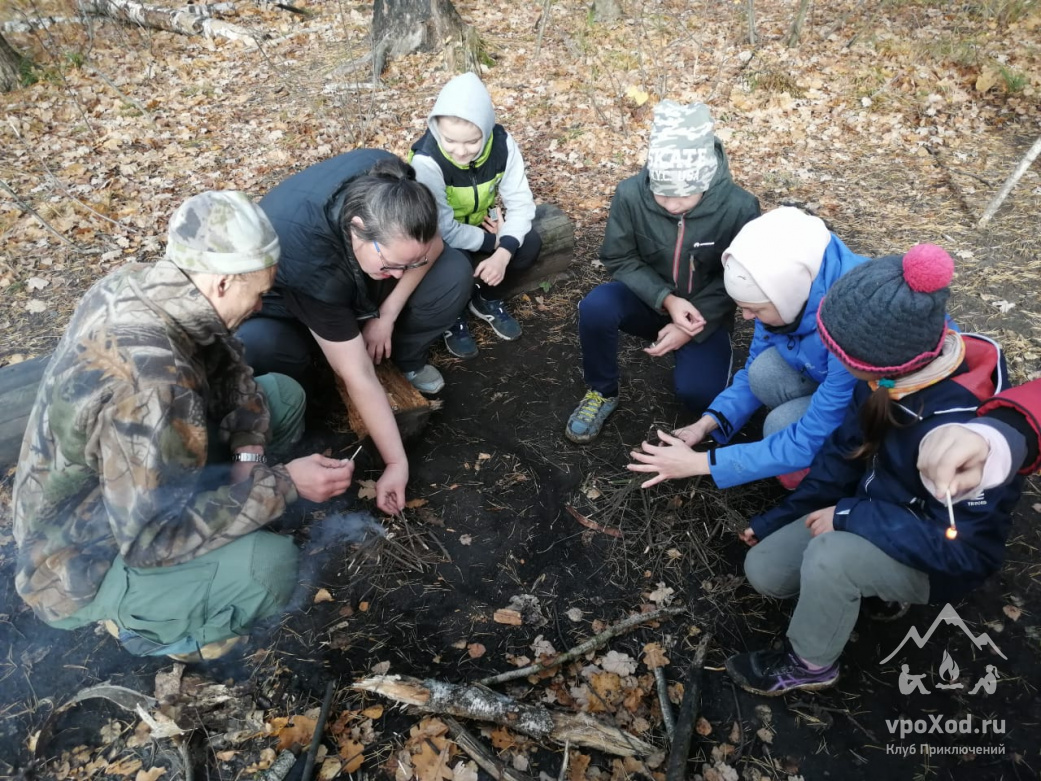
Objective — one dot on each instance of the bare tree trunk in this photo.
(751, 22)
(403, 26)
(795, 33)
(11, 64)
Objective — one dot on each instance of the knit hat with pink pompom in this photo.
(889, 316)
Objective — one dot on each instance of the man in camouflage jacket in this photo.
(123, 511)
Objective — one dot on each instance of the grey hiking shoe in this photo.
(426, 380)
(588, 418)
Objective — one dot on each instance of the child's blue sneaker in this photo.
(458, 340)
(772, 673)
(495, 314)
(588, 418)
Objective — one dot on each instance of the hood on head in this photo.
(465, 97)
(781, 252)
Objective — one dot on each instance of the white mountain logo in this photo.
(949, 616)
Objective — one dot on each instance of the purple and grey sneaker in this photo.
(772, 673)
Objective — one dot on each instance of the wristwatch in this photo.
(258, 458)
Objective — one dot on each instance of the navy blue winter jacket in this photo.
(795, 446)
(885, 502)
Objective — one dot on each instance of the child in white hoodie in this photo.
(468, 162)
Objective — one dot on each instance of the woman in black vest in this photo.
(363, 277)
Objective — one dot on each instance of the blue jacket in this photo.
(885, 502)
(795, 446)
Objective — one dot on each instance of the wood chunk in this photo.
(411, 408)
(506, 616)
(558, 250)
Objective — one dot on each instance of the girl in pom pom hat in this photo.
(862, 524)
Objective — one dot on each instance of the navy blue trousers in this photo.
(702, 368)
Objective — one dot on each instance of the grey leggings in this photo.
(829, 574)
(780, 388)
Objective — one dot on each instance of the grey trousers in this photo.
(781, 388)
(829, 574)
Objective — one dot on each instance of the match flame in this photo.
(951, 532)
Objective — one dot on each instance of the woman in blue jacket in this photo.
(862, 524)
(777, 269)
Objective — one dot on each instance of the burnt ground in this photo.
(497, 477)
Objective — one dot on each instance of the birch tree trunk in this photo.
(171, 20)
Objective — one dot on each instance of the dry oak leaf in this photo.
(373, 712)
(503, 739)
(578, 764)
(614, 662)
(663, 595)
(475, 650)
(152, 774)
(703, 727)
(330, 769)
(351, 752)
(430, 764)
(323, 595)
(1012, 612)
(294, 730)
(654, 656)
(367, 489)
(414, 503)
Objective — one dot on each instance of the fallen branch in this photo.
(667, 716)
(174, 21)
(480, 704)
(472, 746)
(594, 642)
(1006, 188)
(677, 768)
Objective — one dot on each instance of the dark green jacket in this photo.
(655, 253)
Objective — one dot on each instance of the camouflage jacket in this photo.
(116, 446)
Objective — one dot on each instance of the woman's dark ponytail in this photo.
(390, 203)
(876, 418)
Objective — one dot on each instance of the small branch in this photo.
(36, 214)
(1006, 188)
(472, 746)
(319, 730)
(479, 703)
(663, 700)
(677, 768)
(594, 642)
(543, 22)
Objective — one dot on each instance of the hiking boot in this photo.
(772, 673)
(588, 418)
(882, 611)
(495, 314)
(791, 480)
(210, 651)
(426, 380)
(458, 340)
(140, 646)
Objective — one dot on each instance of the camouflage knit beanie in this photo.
(681, 159)
(221, 232)
(889, 316)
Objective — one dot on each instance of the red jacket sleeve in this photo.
(1025, 400)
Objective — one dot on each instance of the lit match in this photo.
(952, 530)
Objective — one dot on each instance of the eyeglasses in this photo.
(396, 266)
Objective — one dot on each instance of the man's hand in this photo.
(696, 432)
(377, 333)
(821, 521)
(671, 459)
(670, 338)
(748, 537)
(390, 489)
(952, 458)
(319, 478)
(684, 314)
(492, 269)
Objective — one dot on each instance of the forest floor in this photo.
(895, 121)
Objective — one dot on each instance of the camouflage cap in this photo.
(681, 159)
(221, 232)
